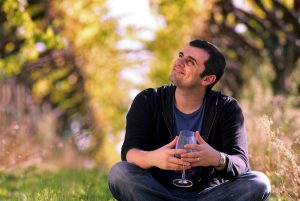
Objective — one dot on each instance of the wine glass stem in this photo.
(183, 173)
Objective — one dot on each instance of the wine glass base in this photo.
(182, 183)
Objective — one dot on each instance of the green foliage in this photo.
(64, 185)
(258, 30)
(98, 60)
(65, 53)
(19, 37)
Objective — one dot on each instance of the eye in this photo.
(190, 62)
(180, 55)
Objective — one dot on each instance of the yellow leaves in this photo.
(41, 88)
(30, 32)
(51, 39)
(289, 3)
(10, 5)
(86, 35)
(59, 89)
(268, 3)
(28, 52)
(10, 65)
(232, 54)
(17, 16)
(94, 42)
(218, 17)
(9, 47)
(259, 43)
(230, 20)
(204, 9)
(281, 36)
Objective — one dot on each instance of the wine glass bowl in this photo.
(185, 137)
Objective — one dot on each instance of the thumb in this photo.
(199, 138)
(172, 144)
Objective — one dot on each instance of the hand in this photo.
(164, 157)
(203, 154)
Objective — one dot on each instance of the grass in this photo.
(272, 123)
(64, 185)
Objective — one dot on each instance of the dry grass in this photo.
(273, 126)
(28, 133)
(20, 147)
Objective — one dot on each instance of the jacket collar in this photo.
(167, 99)
(211, 110)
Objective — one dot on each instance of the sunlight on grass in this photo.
(65, 185)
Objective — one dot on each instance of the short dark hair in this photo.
(215, 65)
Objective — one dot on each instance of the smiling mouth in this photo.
(178, 71)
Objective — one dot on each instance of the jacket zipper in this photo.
(211, 125)
(213, 121)
(167, 125)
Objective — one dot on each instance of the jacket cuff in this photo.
(227, 172)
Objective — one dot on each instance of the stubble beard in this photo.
(175, 80)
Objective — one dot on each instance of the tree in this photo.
(258, 29)
(68, 61)
(33, 52)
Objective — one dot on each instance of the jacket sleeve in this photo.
(234, 141)
(138, 124)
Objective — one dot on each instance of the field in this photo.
(64, 185)
(272, 124)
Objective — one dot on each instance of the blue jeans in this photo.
(128, 182)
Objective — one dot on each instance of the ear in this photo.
(208, 79)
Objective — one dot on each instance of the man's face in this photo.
(188, 67)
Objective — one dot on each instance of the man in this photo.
(218, 165)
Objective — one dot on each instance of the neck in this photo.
(189, 100)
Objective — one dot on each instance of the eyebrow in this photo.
(192, 58)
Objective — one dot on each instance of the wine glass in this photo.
(185, 137)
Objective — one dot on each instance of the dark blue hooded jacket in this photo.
(149, 126)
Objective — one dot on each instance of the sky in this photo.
(135, 13)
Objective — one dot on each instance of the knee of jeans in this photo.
(260, 182)
(117, 173)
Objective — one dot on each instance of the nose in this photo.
(180, 62)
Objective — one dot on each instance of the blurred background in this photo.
(69, 70)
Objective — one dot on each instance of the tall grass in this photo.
(273, 125)
(28, 133)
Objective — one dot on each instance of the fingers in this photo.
(172, 144)
(191, 155)
(196, 147)
(176, 151)
(196, 161)
(192, 160)
(177, 161)
(177, 167)
(199, 138)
